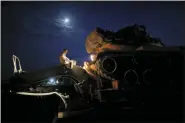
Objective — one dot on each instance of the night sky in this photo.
(35, 32)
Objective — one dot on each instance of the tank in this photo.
(126, 66)
(127, 62)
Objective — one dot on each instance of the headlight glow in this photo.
(51, 80)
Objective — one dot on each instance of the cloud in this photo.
(70, 27)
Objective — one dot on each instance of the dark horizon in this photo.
(35, 33)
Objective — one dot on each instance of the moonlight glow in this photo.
(64, 22)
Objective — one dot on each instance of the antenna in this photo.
(15, 59)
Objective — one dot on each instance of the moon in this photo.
(66, 20)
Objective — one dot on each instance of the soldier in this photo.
(65, 60)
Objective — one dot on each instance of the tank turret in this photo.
(102, 42)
